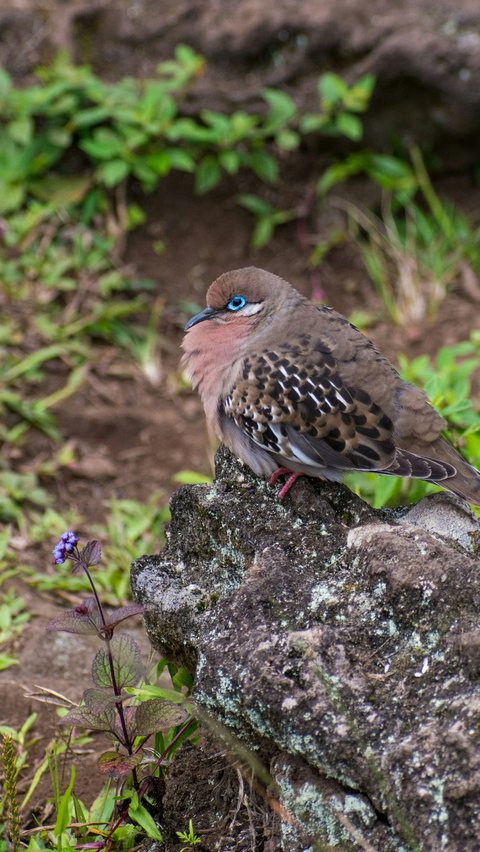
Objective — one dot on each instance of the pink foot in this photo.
(280, 471)
(292, 478)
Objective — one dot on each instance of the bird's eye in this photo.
(236, 303)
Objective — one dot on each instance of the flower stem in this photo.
(116, 689)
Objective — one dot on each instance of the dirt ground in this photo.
(132, 436)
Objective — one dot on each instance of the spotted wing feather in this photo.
(302, 411)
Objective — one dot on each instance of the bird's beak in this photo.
(206, 314)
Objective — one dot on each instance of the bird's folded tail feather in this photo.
(449, 469)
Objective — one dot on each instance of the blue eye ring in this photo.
(236, 303)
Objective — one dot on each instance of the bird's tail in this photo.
(450, 470)
(465, 483)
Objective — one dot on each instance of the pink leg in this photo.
(292, 478)
(276, 473)
(290, 481)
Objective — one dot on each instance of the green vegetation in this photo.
(418, 247)
(13, 615)
(117, 706)
(189, 837)
(68, 148)
(71, 139)
(72, 149)
(130, 530)
(447, 380)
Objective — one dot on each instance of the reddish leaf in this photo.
(97, 698)
(84, 618)
(117, 765)
(91, 553)
(158, 715)
(83, 716)
(127, 663)
(130, 722)
(115, 616)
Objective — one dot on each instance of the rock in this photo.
(336, 646)
(446, 516)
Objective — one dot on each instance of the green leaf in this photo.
(349, 125)
(61, 190)
(145, 174)
(254, 204)
(63, 811)
(6, 661)
(153, 691)
(340, 171)
(187, 55)
(89, 117)
(208, 174)
(12, 196)
(366, 84)
(162, 162)
(287, 140)
(181, 677)
(358, 96)
(5, 83)
(219, 122)
(135, 216)
(282, 108)
(21, 129)
(281, 217)
(32, 361)
(264, 165)
(141, 816)
(59, 137)
(188, 130)
(127, 663)
(230, 161)
(102, 145)
(389, 166)
(191, 477)
(113, 172)
(181, 160)
(102, 808)
(262, 233)
(331, 89)
(242, 125)
(311, 122)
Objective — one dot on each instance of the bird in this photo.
(292, 387)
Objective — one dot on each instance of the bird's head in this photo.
(243, 297)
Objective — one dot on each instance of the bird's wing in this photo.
(301, 410)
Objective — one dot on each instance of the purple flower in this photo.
(59, 554)
(68, 542)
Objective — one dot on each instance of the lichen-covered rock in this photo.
(343, 644)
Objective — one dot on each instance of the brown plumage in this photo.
(289, 384)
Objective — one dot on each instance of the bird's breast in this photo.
(213, 356)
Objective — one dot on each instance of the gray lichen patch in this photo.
(337, 819)
(324, 632)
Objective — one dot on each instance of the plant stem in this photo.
(116, 689)
(163, 755)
